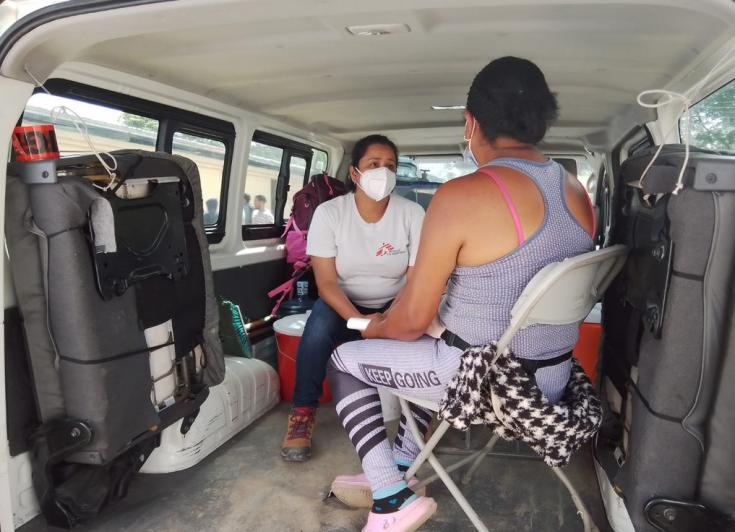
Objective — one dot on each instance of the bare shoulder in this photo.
(464, 198)
(575, 189)
(579, 203)
(459, 187)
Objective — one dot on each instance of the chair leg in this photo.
(589, 525)
(456, 465)
(426, 454)
(467, 477)
(426, 448)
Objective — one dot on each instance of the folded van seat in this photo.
(117, 298)
(667, 359)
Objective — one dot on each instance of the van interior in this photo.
(224, 101)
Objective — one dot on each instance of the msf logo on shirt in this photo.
(388, 249)
(383, 376)
(385, 249)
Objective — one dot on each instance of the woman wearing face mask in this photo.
(362, 246)
(485, 236)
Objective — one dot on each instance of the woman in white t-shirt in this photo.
(362, 247)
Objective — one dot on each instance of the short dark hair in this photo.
(260, 197)
(362, 146)
(246, 196)
(510, 97)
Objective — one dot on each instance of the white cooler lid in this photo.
(595, 315)
(291, 325)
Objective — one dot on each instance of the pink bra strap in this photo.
(509, 202)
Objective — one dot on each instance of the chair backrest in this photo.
(565, 292)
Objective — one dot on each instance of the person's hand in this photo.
(373, 316)
(435, 328)
(371, 330)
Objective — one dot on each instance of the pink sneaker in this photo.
(406, 519)
(354, 490)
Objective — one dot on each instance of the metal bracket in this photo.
(671, 515)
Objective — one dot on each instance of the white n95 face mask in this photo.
(469, 157)
(377, 183)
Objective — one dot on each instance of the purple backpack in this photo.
(320, 188)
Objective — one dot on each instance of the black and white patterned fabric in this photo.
(521, 412)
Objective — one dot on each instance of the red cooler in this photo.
(587, 350)
(288, 336)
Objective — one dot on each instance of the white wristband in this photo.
(358, 324)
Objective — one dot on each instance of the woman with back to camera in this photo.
(485, 236)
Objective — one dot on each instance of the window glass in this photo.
(431, 168)
(109, 128)
(319, 161)
(261, 180)
(297, 173)
(712, 121)
(586, 175)
(418, 175)
(209, 156)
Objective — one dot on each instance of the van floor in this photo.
(246, 486)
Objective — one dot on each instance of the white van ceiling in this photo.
(296, 60)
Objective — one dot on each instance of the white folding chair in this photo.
(560, 294)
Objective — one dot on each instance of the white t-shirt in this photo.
(371, 259)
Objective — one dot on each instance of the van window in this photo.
(431, 168)
(119, 121)
(319, 162)
(297, 174)
(108, 128)
(712, 121)
(586, 175)
(580, 167)
(209, 156)
(261, 181)
(277, 169)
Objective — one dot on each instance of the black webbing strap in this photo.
(115, 357)
(530, 365)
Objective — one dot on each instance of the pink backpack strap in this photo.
(329, 185)
(288, 226)
(291, 223)
(509, 202)
(286, 289)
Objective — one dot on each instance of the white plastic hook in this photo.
(666, 97)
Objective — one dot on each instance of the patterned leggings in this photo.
(420, 369)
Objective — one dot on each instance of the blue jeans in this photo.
(324, 331)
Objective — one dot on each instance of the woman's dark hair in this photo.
(360, 149)
(510, 97)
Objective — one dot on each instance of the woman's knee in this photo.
(331, 367)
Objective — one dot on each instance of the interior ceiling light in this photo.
(448, 107)
(377, 30)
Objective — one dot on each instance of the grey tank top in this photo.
(479, 298)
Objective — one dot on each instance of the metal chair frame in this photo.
(561, 293)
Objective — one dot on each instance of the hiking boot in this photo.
(354, 490)
(297, 443)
